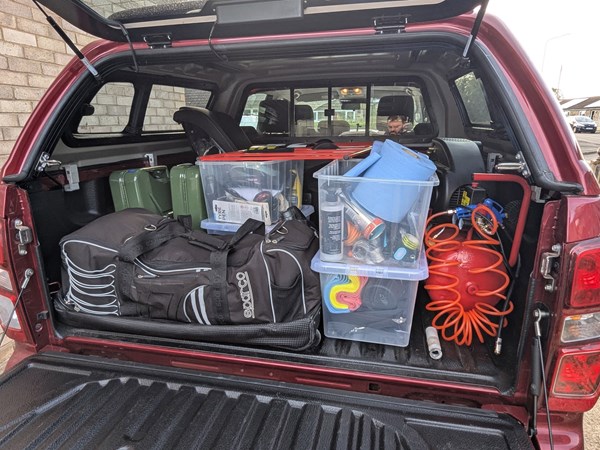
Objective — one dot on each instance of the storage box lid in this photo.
(371, 270)
(228, 227)
(331, 172)
(287, 154)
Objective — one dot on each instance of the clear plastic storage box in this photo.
(221, 228)
(235, 191)
(370, 220)
(368, 309)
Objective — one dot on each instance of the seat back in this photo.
(202, 125)
(304, 117)
(273, 116)
(337, 127)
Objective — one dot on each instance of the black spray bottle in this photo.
(331, 217)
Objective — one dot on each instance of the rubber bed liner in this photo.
(58, 400)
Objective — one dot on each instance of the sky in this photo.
(562, 38)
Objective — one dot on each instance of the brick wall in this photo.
(31, 55)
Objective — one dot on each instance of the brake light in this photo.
(585, 286)
(576, 379)
(9, 317)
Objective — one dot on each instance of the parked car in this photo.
(582, 124)
(79, 378)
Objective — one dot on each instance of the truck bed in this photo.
(67, 401)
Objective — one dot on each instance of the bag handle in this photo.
(154, 236)
(218, 273)
(250, 226)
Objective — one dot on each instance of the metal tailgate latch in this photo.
(547, 265)
(24, 236)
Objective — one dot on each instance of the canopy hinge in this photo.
(390, 24)
(159, 40)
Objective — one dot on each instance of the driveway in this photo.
(589, 144)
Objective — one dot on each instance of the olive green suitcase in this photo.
(187, 194)
(147, 187)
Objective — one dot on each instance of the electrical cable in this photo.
(514, 275)
(212, 48)
(455, 323)
(126, 34)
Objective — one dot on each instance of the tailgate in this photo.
(65, 401)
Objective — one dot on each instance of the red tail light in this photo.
(13, 324)
(576, 379)
(585, 285)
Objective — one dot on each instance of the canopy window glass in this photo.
(340, 110)
(127, 10)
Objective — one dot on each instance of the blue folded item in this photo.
(397, 164)
(362, 166)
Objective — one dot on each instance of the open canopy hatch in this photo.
(115, 19)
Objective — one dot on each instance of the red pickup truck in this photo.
(467, 96)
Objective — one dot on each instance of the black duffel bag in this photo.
(134, 263)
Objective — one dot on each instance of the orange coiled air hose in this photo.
(467, 278)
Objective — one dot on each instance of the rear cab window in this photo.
(341, 109)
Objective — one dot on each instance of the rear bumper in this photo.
(19, 353)
(567, 431)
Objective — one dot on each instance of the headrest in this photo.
(396, 105)
(304, 112)
(273, 116)
(423, 129)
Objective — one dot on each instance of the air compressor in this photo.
(471, 278)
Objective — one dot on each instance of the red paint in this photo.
(581, 216)
(499, 177)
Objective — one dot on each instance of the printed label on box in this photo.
(239, 212)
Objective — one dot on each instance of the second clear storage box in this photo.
(371, 220)
(239, 190)
(360, 306)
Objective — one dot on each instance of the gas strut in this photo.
(28, 275)
(538, 375)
